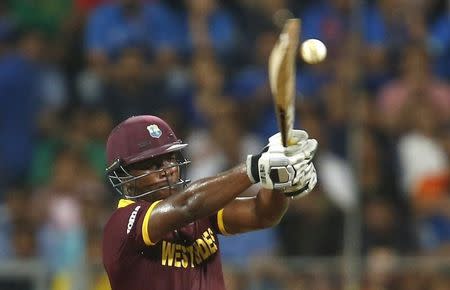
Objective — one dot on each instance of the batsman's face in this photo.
(163, 170)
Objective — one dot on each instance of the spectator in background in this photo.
(131, 91)
(47, 16)
(255, 19)
(380, 265)
(19, 97)
(215, 122)
(415, 79)
(7, 27)
(425, 173)
(249, 87)
(335, 96)
(340, 23)
(424, 22)
(211, 28)
(384, 227)
(331, 21)
(128, 23)
(81, 130)
(16, 219)
(113, 28)
(31, 85)
(73, 193)
(88, 5)
(61, 236)
(438, 43)
(312, 214)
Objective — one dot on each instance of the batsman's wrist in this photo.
(252, 167)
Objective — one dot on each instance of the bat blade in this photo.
(282, 77)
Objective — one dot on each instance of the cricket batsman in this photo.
(163, 235)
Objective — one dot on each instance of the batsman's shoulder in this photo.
(123, 212)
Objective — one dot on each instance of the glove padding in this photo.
(307, 180)
(252, 160)
(297, 137)
(306, 177)
(286, 169)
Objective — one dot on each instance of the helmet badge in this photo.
(154, 131)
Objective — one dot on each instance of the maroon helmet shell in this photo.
(139, 138)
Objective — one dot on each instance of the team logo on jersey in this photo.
(154, 131)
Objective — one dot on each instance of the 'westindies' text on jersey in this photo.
(185, 259)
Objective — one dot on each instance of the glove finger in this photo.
(312, 183)
(306, 152)
(302, 175)
(297, 157)
(276, 148)
(281, 186)
(307, 188)
(298, 147)
(299, 136)
(275, 139)
(296, 135)
(310, 148)
(311, 178)
(293, 149)
(299, 166)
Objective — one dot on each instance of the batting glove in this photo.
(303, 183)
(252, 160)
(297, 136)
(286, 169)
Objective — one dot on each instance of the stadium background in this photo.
(379, 106)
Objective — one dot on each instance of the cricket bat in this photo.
(282, 78)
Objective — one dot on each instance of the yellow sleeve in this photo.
(145, 233)
(220, 223)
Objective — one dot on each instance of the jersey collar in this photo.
(124, 203)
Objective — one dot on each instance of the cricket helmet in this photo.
(139, 139)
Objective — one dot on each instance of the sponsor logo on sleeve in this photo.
(132, 219)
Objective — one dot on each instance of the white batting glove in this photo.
(286, 169)
(275, 140)
(305, 174)
(304, 182)
(290, 169)
(275, 169)
(297, 136)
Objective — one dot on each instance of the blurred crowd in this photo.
(379, 106)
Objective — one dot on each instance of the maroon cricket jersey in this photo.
(186, 259)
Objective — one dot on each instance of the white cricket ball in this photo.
(313, 51)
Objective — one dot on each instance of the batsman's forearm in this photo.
(209, 195)
(270, 207)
